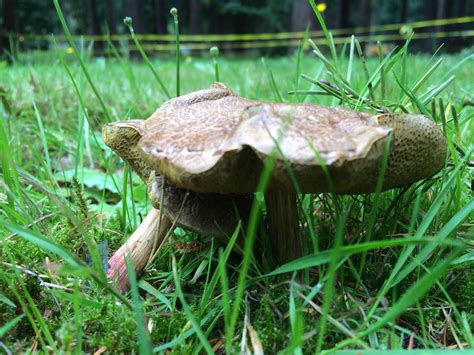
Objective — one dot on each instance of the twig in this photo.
(36, 221)
(37, 277)
(4, 347)
(448, 319)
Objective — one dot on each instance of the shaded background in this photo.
(25, 17)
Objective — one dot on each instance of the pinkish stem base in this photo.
(141, 245)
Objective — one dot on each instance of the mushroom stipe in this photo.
(201, 156)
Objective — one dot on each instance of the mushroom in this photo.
(215, 142)
(205, 213)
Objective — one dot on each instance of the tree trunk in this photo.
(364, 18)
(94, 27)
(344, 14)
(302, 14)
(182, 12)
(440, 14)
(10, 26)
(195, 17)
(365, 13)
(134, 9)
(404, 11)
(160, 19)
(441, 9)
(111, 17)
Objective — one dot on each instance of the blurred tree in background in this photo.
(217, 16)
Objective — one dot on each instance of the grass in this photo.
(391, 270)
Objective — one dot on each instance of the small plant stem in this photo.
(174, 13)
(382, 71)
(214, 51)
(456, 124)
(366, 71)
(442, 114)
(128, 23)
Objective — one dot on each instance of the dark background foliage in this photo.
(226, 16)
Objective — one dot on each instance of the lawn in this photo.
(390, 270)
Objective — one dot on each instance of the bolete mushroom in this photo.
(209, 213)
(213, 141)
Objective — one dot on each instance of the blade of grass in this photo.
(210, 287)
(49, 246)
(432, 93)
(81, 62)
(327, 34)
(351, 59)
(444, 232)
(271, 80)
(10, 324)
(39, 121)
(153, 291)
(296, 322)
(421, 107)
(299, 55)
(427, 220)
(410, 297)
(143, 335)
(365, 69)
(254, 217)
(10, 175)
(189, 314)
(377, 198)
(225, 301)
(43, 243)
(329, 286)
(382, 71)
(324, 257)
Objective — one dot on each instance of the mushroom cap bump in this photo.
(123, 137)
(215, 141)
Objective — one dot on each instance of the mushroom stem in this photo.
(283, 226)
(139, 247)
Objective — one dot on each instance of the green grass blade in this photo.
(43, 243)
(327, 34)
(329, 286)
(143, 335)
(444, 232)
(10, 324)
(81, 62)
(153, 291)
(189, 314)
(410, 297)
(271, 81)
(324, 257)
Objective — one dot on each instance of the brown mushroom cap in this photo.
(205, 213)
(215, 141)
